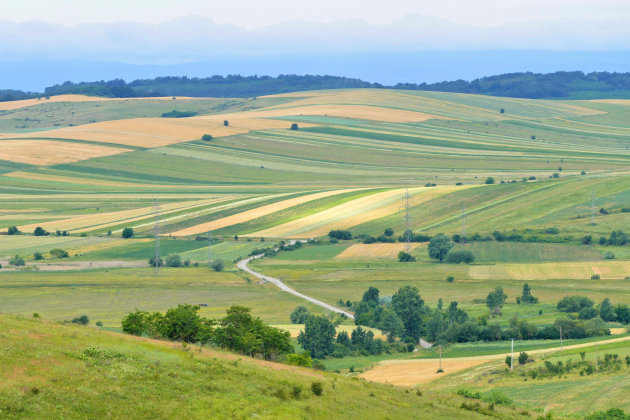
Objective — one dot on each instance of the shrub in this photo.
(450, 279)
(340, 234)
(36, 315)
(17, 261)
(160, 261)
(218, 265)
(226, 123)
(609, 255)
(300, 314)
(508, 360)
(173, 261)
(38, 256)
(405, 257)
(134, 323)
(39, 231)
(99, 324)
(388, 232)
(489, 180)
(623, 210)
(498, 398)
(595, 277)
(317, 388)
(300, 359)
(574, 303)
(294, 126)
(460, 256)
(179, 114)
(555, 175)
(522, 358)
(127, 232)
(206, 137)
(82, 320)
(59, 253)
(13, 230)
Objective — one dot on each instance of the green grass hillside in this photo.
(50, 370)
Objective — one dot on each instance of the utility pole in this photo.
(156, 234)
(209, 248)
(592, 207)
(462, 240)
(561, 343)
(407, 219)
(512, 358)
(440, 357)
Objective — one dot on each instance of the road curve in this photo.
(278, 283)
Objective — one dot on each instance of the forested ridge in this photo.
(568, 85)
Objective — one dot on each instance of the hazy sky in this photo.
(257, 13)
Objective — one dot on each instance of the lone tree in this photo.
(127, 232)
(439, 246)
(206, 137)
(13, 230)
(226, 123)
(495, 300)
(294, 126)
(39, 231)
(526, 297)
(489, 180)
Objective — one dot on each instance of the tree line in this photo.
(520, 85)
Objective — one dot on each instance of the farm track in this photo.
(278, 283)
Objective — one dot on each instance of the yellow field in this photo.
(295, 329)
(420, 371)
(349, 111)
(103, 220)
(255, 213)
(7, 106)
(73, 180)
(612, 101)
(416, 372)
(157, 132)
(551, 271)
(352, 213)
(50, 152)
(371, 251)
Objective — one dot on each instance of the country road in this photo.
(278, 283)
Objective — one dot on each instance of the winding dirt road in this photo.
(278, 283)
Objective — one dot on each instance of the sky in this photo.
(256, 13)
(43, 42)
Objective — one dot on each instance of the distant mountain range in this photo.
(565, 85)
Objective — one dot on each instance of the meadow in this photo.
(548, 174)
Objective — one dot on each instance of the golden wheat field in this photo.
(352, 213)
(50, 152)
(374, 251)
(103, 220)
(551, 271)
(11, 105)
(363, 112)
(256, 213)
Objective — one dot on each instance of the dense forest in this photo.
(568, 85)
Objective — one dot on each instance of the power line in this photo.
(592, 207)
(156, 234)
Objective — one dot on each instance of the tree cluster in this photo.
(237, 331)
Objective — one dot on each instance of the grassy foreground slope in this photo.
(53, 370)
